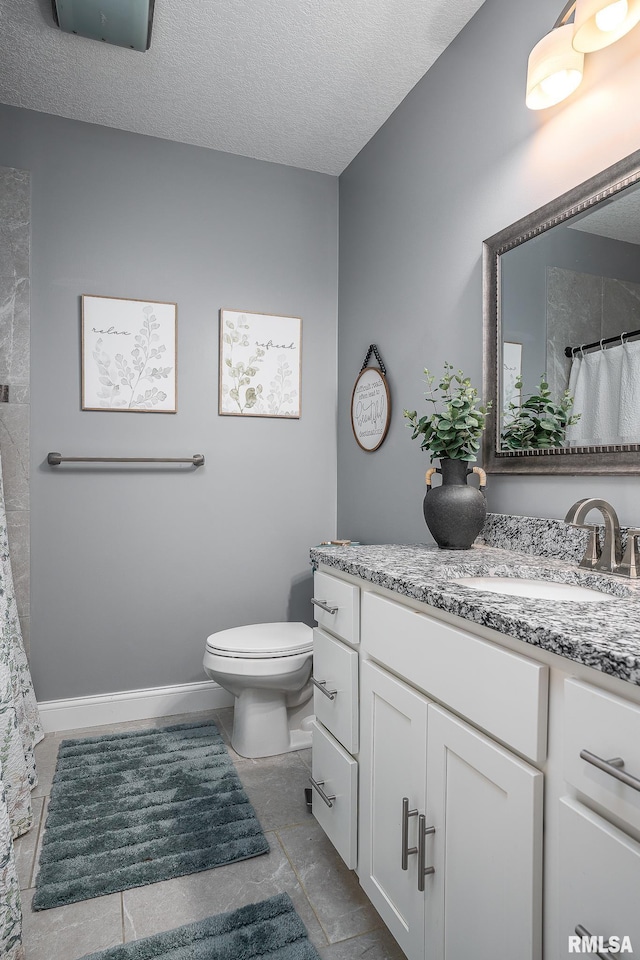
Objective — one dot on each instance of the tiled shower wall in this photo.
(583, 308)
(15, 217)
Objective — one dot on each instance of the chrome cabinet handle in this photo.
(583, 932)
(318, 785)
(322, 687)
(324, 606)
(612, 767)
(406, 849)
(423, 832)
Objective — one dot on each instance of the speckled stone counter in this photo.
(603, 635)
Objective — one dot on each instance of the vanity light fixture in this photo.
(598, 24)
(555, 68)
(556, 62)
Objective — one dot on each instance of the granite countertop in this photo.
(603, 635)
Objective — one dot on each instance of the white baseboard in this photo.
(127, 705)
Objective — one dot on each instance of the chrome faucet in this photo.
(609, 558)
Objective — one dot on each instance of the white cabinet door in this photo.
(392, 766)
(599, 881)
(484, 898)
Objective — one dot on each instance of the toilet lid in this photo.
(262, 640)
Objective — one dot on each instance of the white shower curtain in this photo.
(605, 386)
(20, 730)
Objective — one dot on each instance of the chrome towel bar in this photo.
(54, 459)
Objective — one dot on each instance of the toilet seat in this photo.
(262, 640)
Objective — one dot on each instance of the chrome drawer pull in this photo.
(322, 687)
(612, 767)
(583, 932)
(318, 785)
(423, 832)
(406, 850)
(324, 606)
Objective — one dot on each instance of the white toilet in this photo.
(267, 667)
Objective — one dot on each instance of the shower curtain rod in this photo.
(53, 459)
(570, 351)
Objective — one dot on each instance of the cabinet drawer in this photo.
(336, 668)
(501, 692)
(341, 598)
(336, 773)
(607, 727)
(598, 881)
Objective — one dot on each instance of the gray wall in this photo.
(132, 568)
(15, 221)
(460, 159)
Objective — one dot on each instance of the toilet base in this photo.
(261, 726)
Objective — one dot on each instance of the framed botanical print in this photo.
(260, 365)
(129, 355)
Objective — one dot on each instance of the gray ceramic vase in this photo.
(455, 512)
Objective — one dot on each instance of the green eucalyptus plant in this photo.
(454, 431)
(539, 421)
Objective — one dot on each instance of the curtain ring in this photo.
(582, 351)
(622, 336)
(601, 347)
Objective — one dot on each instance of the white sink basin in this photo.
(538, 589)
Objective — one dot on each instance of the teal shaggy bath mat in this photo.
(271, 928)
(133, 808)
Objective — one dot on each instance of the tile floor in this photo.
(339, 918)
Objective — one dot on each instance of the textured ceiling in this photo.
(300, 82)
(619, 219)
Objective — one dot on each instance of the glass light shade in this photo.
(555, 69)
(597, 23)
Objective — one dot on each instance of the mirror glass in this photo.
(562, 332)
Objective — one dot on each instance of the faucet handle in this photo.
(630, 564)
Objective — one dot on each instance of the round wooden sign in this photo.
(370, 408)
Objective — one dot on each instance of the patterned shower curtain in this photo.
(20, 730)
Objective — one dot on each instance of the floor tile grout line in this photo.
(34, 861)
(302, 887)
(330, 942)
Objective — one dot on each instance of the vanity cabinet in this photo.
(599, 870)
(600, 727)
(337, 606)
(486, 807)
(392, 767)
(599, 854)
(500, 692)
(334, 775)
(335, 698)
(444, 814)
(450, 745)
(334, 771)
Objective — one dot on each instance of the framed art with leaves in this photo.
(129, 355)
(260, 365)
